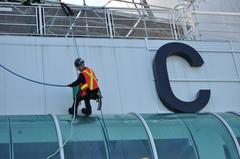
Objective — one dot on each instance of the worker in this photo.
(88, 88)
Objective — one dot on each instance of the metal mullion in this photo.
(149, 134)
(43, 20)
(59, 135)
(11, 146)
(106, 137)
(230, 131)
(234, 58)
(37, 23)
(106, 21)
(111, 23)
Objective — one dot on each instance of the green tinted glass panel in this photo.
(171, 137)
(127, 138)
(33, 137)
(211, 137)
(4, 138)
(234, 122)
(87, 142)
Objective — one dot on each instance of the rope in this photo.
(75, 42)
(34, 81)
(74, 114)
(105, 131)
(71, 132)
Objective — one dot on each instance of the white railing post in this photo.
(40, 20)
(109, 20)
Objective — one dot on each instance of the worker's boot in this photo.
(71, 110)
(86, 111)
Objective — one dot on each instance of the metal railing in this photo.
(50, 20)
(180, 23)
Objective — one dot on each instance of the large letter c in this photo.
(162, 80)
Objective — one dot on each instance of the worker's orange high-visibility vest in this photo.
(91, 81)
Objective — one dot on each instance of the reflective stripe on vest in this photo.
(91, 81)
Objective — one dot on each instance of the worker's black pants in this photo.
(88, 110)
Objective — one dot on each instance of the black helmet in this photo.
(78, 62)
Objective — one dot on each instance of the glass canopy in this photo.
(175, 136)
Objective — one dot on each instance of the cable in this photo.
(75, 42)
(105, 131)
(25, 78)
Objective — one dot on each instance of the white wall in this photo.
(218, 26)
(218, 5)
(124, 70)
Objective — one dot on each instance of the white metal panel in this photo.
(154, 45)
(134, 84)
(225, 96)
(58, 69)
(23, 97)
(236, 46)
(104, 62)
(124, 70)
(220, 66)
(220, 30)
(221, 5)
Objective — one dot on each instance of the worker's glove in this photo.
(69, 85)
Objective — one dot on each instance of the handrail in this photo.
(176, 24)
(107, 22)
